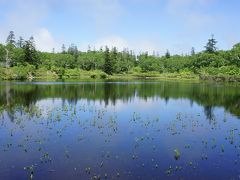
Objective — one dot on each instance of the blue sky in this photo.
(141, 25)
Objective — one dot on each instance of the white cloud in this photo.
(142, 45)
(197, 20)
(112, 41)
(231, 39)
(26, 18)
(191, 13)
(103, 13)
(23, 18)
(45, 41)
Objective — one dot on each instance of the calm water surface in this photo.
(119, 130)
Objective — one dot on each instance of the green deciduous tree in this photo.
(235, 55)
(211, 60)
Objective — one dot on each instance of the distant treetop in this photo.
(211, 45)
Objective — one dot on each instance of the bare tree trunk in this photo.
(7, 58)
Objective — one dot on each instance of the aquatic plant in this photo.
(176, 154)
(30, 170)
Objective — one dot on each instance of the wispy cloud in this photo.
(45, 41)
(192, 13)
(141, 25)
(140, 45)
(25, 19)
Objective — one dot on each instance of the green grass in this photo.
(30, 73)
(156, 75)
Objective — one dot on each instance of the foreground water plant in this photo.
(30, 170)
(176, 154)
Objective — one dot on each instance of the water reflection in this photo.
(207, 95)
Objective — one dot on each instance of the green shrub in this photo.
(93, 76)
(60, 71)
(103, 75)
(224, 70)
(136, 69)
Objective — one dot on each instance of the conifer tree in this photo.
(63, 49)
(193, 51)
(108, 68)
(167, 55)
(11, 38)
(30, 52)
(211, 45)
(20, 42)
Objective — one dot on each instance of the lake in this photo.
(119, 130)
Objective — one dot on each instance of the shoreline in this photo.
(10, 74)
(119, 77)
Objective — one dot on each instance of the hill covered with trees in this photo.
(20, 60)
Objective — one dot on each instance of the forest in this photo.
(19, 60)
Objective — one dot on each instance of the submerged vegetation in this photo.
(47, 132)
(19, 60)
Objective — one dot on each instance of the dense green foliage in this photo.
(17, 56)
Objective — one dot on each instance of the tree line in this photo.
(22, 53)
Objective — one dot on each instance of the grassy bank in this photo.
(30, 73)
